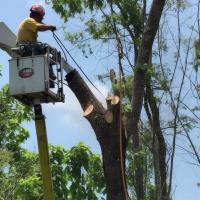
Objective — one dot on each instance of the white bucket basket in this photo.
(29, 80)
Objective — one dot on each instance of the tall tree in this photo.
(133, 29)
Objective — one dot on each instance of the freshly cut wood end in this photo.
(108, 116)
(109, 98)
(88, 110)
(115, 100)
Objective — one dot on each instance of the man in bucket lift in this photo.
(27, 34)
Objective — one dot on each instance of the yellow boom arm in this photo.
(43, 152)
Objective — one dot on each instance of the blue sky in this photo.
(64, 121)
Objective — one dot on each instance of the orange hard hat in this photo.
(38, 9)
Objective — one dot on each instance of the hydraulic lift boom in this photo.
(7, 41)
(43, 152)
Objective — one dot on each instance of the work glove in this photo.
(53, 28)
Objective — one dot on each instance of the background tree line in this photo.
(155, 49)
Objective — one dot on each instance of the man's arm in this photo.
(45, 27)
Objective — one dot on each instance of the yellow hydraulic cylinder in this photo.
(43, 153)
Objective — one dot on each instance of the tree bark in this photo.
(139, 84)
(107, 133)
(159, 148)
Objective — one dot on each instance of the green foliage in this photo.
(144, 158)
(98, 18)
(189, 122)
(183, 4)
(70, 8)
(150, 192)
(12, 114)
(158, 80)
(101, 19)
(130, 14)
(18, 177)
(30, 183)
(5, 159)
(76, 173)
(101, 29)
(125, 88)
(30, 188)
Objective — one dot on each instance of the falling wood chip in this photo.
(88, 110)
(108, 116)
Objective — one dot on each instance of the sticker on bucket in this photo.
(25, 72)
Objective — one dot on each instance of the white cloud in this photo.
(65, 122)
(102, 88)
(71, 109)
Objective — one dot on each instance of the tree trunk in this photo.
(105, 124)
(139, 84)
(160, 148)
(107, 129)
